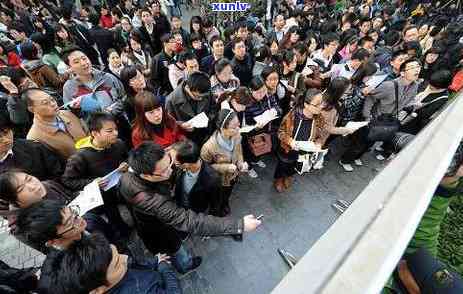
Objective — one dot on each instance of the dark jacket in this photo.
(160, 73)
(180, 106)
(42, 74)
(204, 193)
(104, 40)
(35, 159)
(207, 64)
(242, 69)
(158, 217)
(257, 108)
(89, 163)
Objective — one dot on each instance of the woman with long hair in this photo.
(153, 123)
(236, 100)
(224, 153)
(290, 39)
(134, 82)
(292, 81)
(137, 54)
(196, 26)
(63, 39)
(223, 79)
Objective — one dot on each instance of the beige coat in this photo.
(62, 142)
(220, 160)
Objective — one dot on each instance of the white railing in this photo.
(360, 251)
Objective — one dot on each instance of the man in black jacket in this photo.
(160, 65)
(242, 62)
(158, 218)
(104, 38)
(197, 185)
(32, 157)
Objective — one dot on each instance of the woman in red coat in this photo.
(152, 123)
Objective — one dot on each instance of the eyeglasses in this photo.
(74, 220)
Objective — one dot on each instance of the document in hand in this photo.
(375, 81)
(356, 125)
(247, 129)
(88, 199)
(199, 121)
(308, 146)
(266, 117)
(112, 179)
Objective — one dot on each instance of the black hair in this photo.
(239, 25)
(28, 50)
(268, 70)
(195, 37)
(392, 38)
(300, 47)
(26, 95)
(288, 56)
(256, 83)
(166, 38)
(143, 159)
(128, 73)
(220, 65)
(224, 117)
(97, 119)
(5, 125)
(366, 69)
(306, 98)
(263, 53)
(336, 88)
(198, 82)
(8, 187)
(413, 45)
(441, 79)
(197, 19)
(187, 152)
(94, 19)
(328, 38)
(38, 222)
(404, 65)
(79, 269)
(215, 39)
(69, 52)
(360, 54)
(236, 41)
(397, 53)
(365, 39)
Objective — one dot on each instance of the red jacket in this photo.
(106, 21)
(170, 135)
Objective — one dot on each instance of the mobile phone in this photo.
(260, 217)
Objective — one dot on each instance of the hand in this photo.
(102, 183)
(259, 125)
(6, 82)
(243, 166)
(366, 91)
(163, 258)
(123, 167)
(187, 127)
(294, 145)
(251, 223)
(232, 168)
(291, 89)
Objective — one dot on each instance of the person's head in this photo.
(293, 34)
(410, 33)
(392, 38)
(133, 79)
(40, 103)
(176, 22)
(6, 136)
(300, 49)
(367, 43)
(238, 98)
(352, 43)
(196, 25)
(374, 34)
(336, 88)
(188, 156)
(330, 43)
(264, 54)
(378, 23)
(20, 189)
(156, 8)
(364, 72)
(116, 14)
(61, 32)
(410, 70)
(279, 21)
(413, 49)
(271, 77)
(223, 70)
(29, 51)
(148, 112)
(18, 31)
(196, 41)
(289, 61)
(258, 88)
(241, 30)
(217, 46)
(168, 42)
(126, 24)
(228, 123)
(114, 59)
(239, 48)
(150, 162)
(358, 57)
(432, 55)
(364, 25)
(273, 44)
(146, 16)
(191, 63)
(398, 57)
(198, 86)
(90, 265)
(78, 62)
(104, 10)
(304, 102)
(440, 79)
(51, 223)
(103, 129)
(135, 42)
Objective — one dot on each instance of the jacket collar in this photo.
(182, 101)
(49, 127)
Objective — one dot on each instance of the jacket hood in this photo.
(86, 143)
(31, 65)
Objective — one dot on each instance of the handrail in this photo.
(359, 252)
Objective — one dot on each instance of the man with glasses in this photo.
(189, 99)
(145, 188)
(160, 65)
(59, 129)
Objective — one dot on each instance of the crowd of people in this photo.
(90, 87)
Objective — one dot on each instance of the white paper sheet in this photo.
(89, 198)
(112, 179)
(356, 125)
(266, 117)
(375, 81)
(199, 121)
(247, 129)
(308, 146)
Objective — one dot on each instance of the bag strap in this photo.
(435, 100)
(396, 91)
(297, 130)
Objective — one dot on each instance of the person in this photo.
(208, 62)
(59, 129)
(393, 69)
(103, 36)
(189, 99)
(199, 48)
(149, 31)
(105, 20)
(242, 62)
(137, 54)
(196, 25)
(114, 63)
(153, 123)
(223, 80)
(93, 265)
(383, 54)
(324, 57)
(156, 214)
(290, 38)
(224, 153)
(31, 157)
(278, 28)
(236, 100)
(349, 68)
(209, 30)
(176, 23)
(197, 184)
(162, 22)
(134, 82)
(122, 32)
(160, 66)
(291, 80)
(263, 59)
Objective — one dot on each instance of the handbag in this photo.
(385, 126)
(260, 144)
